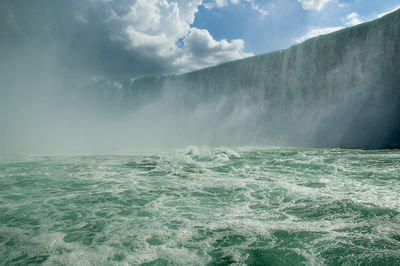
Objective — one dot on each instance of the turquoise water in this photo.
(199, 206)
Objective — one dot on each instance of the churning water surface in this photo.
(199, 206)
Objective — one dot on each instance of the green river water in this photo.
(202, 206)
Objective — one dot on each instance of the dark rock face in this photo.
(336, 90)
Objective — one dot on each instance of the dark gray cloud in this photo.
(76, 34)
(111, 38)
(50, 49)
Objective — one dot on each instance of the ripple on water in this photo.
(254, 206)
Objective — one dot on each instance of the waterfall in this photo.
(336, 90)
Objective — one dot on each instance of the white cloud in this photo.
(156, 25)
(260, 10)
(221, 3)
(118, 38)
(314, 32)
(153, 28)
(202, 50)
(224, 3)
(313, 4)
(385, 13)
(352, 19)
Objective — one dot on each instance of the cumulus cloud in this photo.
(155, 27)
(317, 5)
(223, 3)
(352, 19)
(116, 37)
(314, 32)
(202, 49)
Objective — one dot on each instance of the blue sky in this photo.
(283, 21)
(127, 38)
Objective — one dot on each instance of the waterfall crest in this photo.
(336, 90)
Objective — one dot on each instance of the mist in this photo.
(66, 87)
(49, 50)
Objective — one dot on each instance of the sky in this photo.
(128, 38)
(50, 50)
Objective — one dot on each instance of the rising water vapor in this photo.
(48, 52)
(66, 92)
(338, 90)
